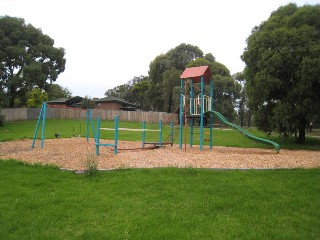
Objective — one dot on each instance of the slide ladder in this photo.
(244, 132)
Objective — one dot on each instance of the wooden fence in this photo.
(20, 114)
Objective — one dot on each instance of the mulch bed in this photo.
(74, 153)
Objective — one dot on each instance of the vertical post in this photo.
(116, 125)
(171, 133)
(185, 116)
(97, 136)
(160, 133)
(143, 133)
(201, 112)
(87, 124)
(38, 123)
(181, 114)
(44, 116)
(191, 112)
(211, 110)
(92, 124)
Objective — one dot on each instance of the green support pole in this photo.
(160, 133)
(181, 114)
(171, 133)
(92, 124)
(97, 137)
(143, 133)
(38, 123)
(211, 115)
(116, 135)
(87, 124)
(43, 124)
(191, 112)
(201, 112)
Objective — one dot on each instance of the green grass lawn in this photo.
(221, 137)
(39, 202)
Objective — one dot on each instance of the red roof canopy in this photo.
(195, 73)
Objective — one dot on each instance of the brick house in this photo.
(113, 103)
(107, 103)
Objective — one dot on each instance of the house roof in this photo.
(114, 99)
(59, 100)
(98, 100)
(195, 73)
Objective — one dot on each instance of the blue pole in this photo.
(211, 115)
(92, 124)
(116, 125)
(37, 126)
(201, 112)
(181, 114)
(160, 133)
(97, 136)
(87, 124)
(44, 116)
(191, 112)
(143, 133)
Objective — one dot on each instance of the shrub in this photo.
(91, 167)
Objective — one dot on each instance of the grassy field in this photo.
(41, 202)
(221, 136)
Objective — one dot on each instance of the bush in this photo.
(91, 167)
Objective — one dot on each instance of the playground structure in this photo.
(96, 131)
(42, 121)
(116, 129)
(194, 104)
(201, 107)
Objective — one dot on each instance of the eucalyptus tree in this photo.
(28, 59)
(166, 65)
(282, 70)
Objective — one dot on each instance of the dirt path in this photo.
(73, 153)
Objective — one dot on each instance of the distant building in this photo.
(113, 103)
(107, 103)
(60, 101)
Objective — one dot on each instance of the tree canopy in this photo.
(160, 90)
(282, 69)
(28, 59)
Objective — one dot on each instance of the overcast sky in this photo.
(107, 43)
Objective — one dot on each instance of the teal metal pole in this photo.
(37, 126)
(87, 124)
(143, 133)
(201, 112)
(92, 124)
(116, 135)
(44, 117)
(97, 136)
(191, 112)
(181, 114)
(160, 133)
(211, 115)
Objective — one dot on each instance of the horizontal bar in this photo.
(105, 145)
(131, 129)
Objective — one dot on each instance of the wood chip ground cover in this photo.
(73, 154)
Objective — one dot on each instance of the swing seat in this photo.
(155, 144)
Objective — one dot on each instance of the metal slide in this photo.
(244, 132)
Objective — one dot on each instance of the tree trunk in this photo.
(170, 103)
(302, 132)
(249, 118)
(11, 101)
